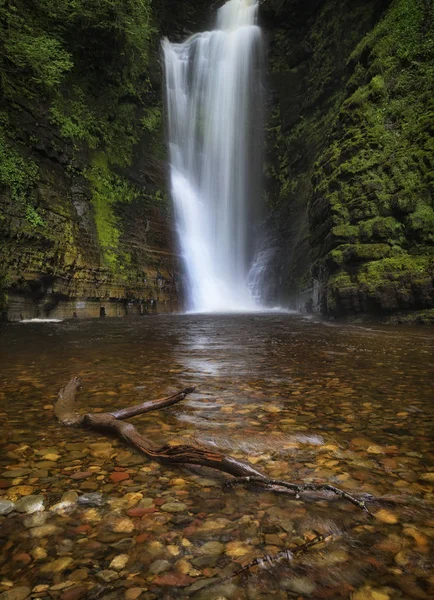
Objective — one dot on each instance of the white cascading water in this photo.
(214, 98)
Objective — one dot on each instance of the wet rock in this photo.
(67, 501)
(91, 499)
(75, 593)
(15, 473)
(174, 580)
(145, 503)
(107, 575)
(78, 475)
(30, 504)
(119, 562)
(172, 507)
(44, 531)
(38, 589)
(124, 525)
(58, 565)
(159, 566)
(124, 544)
(16, 593)
(300, 585)
(213, 548)
(368, 593)
(117, 477)
(6, 507)
(273, 539)
(39, 553)
(237, 549)
(133, 593)
(35, 520)
(385, 516)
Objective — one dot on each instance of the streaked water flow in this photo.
(214, 114)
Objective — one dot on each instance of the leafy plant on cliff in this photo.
(88, 59)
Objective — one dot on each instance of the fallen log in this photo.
(185, 455)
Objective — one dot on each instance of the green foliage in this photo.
(88, 59)
(16, 173)
(152, 119)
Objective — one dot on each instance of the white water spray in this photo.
(214, 113)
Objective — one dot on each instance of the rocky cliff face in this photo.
(85, 225)
(350, 167)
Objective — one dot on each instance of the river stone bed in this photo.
(84, 516)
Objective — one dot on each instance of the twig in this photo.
(298, 488)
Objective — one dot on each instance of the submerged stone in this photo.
(6, 507)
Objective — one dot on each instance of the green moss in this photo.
(404, 269)
(108, 190)
(375, 178)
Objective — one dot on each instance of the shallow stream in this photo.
(298, 399)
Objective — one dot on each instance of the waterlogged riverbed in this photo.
(300, 400)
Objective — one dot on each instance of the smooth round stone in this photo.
(6, 507)
(17, 593)
(172, 507)
(13, 474)
(159, 566)
(30, 504)
(213, 548)
(133, 593)
(35, 520)
(44, 531)
(58, 565)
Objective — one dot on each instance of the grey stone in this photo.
(172, 507)
(30, 504)
(6, 507)
(91, 499)
(35, 520)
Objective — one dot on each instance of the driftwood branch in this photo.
(243, 473)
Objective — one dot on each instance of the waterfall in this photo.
(214, 103)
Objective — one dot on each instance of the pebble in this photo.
(35, 520)
(124, 525)
(133, 593)
(6, 507)
(91, 499)
(212, 548)
(75, 593)
(14, 473)
(119, 562)
(159, 566)
(58, 565)
(30, 504)
(237, 549)
(44, 531)
(300, 585)
(385, 516)
(16, 593)
(172, 507)
(39, 553)
(107, 575)
(368, 593)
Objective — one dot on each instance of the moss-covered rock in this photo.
(357, 152)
